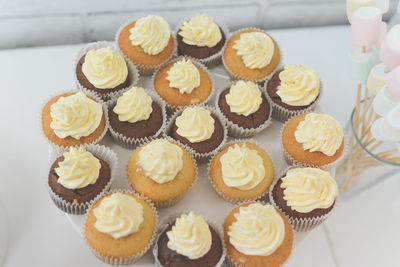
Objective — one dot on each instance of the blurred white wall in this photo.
(49, 22)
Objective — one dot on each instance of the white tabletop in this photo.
(362, 231)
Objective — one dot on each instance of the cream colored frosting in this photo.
(319, 132)
(78, 169)
(134, 105)
(255, 48)
(244, 98)
(75, 115)
(258, 230)
(306, 189)
(200, 31)
(184, 76)
(151, 33)
(190, 236)
(118, 215)
(299, 85)
(105, 68)
(242, 167)
(160, 160)
(196, 124)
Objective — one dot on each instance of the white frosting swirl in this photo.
(258, 230)
(75, 115)
(190, 236)
(151, 33)
(244, 98)
(160, 160)
(118, 215)
(196, 124)
(134, 105)
(184, 76)
(200, 31)
(242, 167)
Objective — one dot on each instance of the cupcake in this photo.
(73, 119)
(135, 117)
(241, 171)
(257, 234)
(201, 38)
(305, 195)
(79, 175)
(313, 140)
(198, 127)
(245, 108)
(161, 170)
(293, 90)
(102, 69)
(147, 42)
(189, 241)
(183, 82)
(120, 227)
(251, 54)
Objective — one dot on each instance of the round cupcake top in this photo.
(105, 68)
(299, 85)
(255, 48)
(160, 160)
(190, 236)
(75, 115)
(78, 169)
(306, 189)
(258, 230)
(151, 33)
(134, 105)
(195, 124)
(244, 98)
(184, 76)
(242, 167)
(320, 132)
(118, 215)
(200, 31)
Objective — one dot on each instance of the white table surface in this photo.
(362, 231)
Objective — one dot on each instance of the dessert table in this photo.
(361, 231)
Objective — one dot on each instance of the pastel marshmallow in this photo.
(388, 127)
(362, 63)
(353, 5)
(382, 34)
(393, 83)
(365, 26)
(390, 48)
(383, 102)
(376, 78)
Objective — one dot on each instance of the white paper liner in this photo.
(200, 157)
(129, 142)
(215, 59)
(118, 261)
(234, 129)
(164, 223)
(283, 114)
(99, 151)
(144, 70)
(299, 224)
(89, 94)
(172, 202)
(230, 199)
(171, 108)
(235, 76)
(133, 73)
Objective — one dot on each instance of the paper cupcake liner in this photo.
(215, 59)
(235, 76)
(118, 261)
(164, 223)
(133, 74)
(170, 108)
(230, 199)
(99, 151)
(166, 204)
(89, 94)
(299, 224)
(283, 114)
(145, 70)
(129, 142)
(234, 129)
(200, 157)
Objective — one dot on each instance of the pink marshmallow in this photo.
(390, 48)
(365, 26)
(382, 34)
(393, 83)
